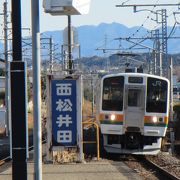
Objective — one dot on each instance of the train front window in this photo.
(134, 97)
(156, 95)
(112, 98)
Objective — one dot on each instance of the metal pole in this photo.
(160, 64)
(36, 90)
(7, 86)
(164, 40)
(79, 51)
(79, 113)
(69, 45)
(151, 66)
(171, 105)
(155, 63)
(18, 99)
(154, 59)
(7, 89)
(51, 54)
(92, 87)
(171, 89)
(157, 46)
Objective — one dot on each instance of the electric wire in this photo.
(170, 34)
(147, 17)
(151, 11)
(172, 30)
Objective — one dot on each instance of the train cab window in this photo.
(112, 98)
(134, 97)
(156, 95)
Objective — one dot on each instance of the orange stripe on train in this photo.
(119, 117)
(149, 119)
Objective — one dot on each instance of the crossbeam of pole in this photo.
(146, 38)
(108, 49)
(146, 5)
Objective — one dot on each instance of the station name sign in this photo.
(64, 112)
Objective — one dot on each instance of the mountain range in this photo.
(102, 36)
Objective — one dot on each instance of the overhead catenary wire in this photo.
(147, 17)
(172, 31)
(176, 18)
(142, 25)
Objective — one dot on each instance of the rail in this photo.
(164, 174)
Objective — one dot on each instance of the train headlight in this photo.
(112, 117)
(155, 119)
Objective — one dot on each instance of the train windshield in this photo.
(112, 98)
(156, 95)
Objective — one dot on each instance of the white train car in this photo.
(133, 112)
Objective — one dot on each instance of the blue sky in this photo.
(105, 11)
(100, 11)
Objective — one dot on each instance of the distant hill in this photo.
(92, 37)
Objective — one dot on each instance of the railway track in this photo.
(147, 168)
(150, 168)
(161, 171)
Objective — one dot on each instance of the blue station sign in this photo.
(64, 112)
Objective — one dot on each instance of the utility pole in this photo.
(7, 72)
(18, 99)
(154, 61)
(160, 65)
(70, 63)
(155, 36)
(36, 90)
(171, 88)
(92, 89)
(171, 104)
(51, 54)
(164, 36)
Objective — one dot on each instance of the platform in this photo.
(94, 170)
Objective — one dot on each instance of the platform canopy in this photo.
(66, 7)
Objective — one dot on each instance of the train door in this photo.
(134, 108)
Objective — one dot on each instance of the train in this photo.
(133, 112)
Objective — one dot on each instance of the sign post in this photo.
(65, 116)
(64, 125)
